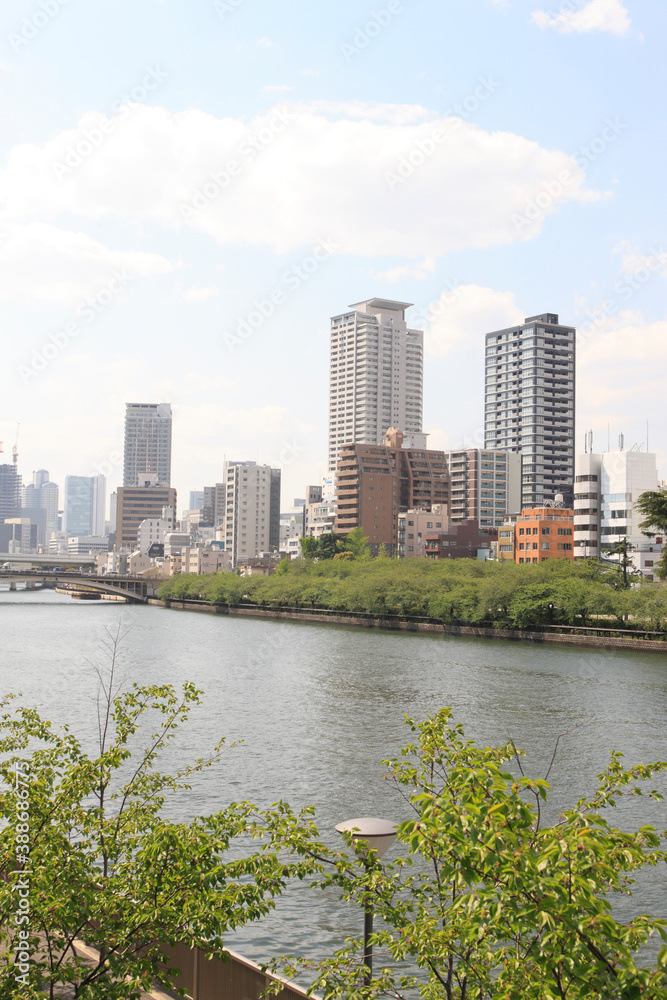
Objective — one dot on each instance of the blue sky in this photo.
(168, 170)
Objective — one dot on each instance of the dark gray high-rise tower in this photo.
(529, 404)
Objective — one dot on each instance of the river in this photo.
(318, 707)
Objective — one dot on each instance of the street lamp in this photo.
(378, 834)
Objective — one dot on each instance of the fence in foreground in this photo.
(206, 978)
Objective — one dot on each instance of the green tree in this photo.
(310, 548)
(86, 836)
(623, 549)
(357, 543)
(533, 605)
(653, 505)
(330, 544)
(499, 906)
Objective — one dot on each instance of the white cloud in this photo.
(42, 262)
(330, 165)
(418, 271)
(596, 15)
(457, 320)
(276, 88)
(193, 294)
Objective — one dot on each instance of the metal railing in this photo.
(204, 977)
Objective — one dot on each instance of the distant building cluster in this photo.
(526, 496)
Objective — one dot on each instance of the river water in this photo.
(318, 707)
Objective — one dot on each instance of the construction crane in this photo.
(15, 449)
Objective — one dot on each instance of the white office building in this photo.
(147, 443)
(605, 491)
(252, 510)
(376, 369)
(152, 530)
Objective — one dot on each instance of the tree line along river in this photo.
(318, 707)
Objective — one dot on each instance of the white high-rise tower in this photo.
(376, 376)
(147, 443)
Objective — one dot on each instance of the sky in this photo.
(188, 193)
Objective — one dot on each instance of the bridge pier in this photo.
(12, 585)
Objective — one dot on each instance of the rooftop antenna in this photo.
(621, 441)
(15, 449)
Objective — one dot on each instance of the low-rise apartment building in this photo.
(415, 525)
(544, 533)
(465, 540)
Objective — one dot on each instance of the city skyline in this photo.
(166, 234)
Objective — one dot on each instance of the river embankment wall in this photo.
(398, 624)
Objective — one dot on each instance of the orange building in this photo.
(544, 533)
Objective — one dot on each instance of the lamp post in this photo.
(378, 834)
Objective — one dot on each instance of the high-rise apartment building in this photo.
(485, 486)
(606, 489)
(85, 505)
(252, 510)
(147, 442)
(376, 376)
(529, 405)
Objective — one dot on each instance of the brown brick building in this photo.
(375, 482)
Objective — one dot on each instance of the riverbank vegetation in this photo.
(452, 591)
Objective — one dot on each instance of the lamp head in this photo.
(379, 834)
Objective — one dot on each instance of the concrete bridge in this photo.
(135, 588)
